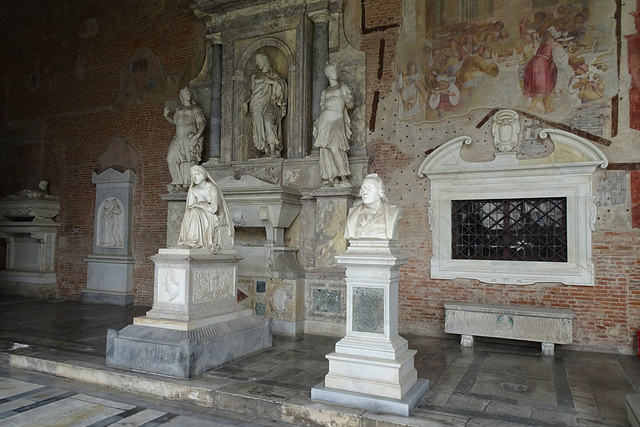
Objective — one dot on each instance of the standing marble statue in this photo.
(185, 149)
(268, 106)
(373, 217)
(332, 130)
(207, 222)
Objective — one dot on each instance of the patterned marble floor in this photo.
(495, 383)
(32, 400)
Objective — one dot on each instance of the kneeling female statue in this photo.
(207, 222)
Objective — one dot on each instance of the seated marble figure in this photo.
(372, 217)
(207, 222)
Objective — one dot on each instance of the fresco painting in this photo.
(546, 57)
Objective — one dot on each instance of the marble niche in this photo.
(27, 223)
(290, 42)
(110, 265)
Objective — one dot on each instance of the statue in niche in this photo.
(185, 149)
(505, 130)
(332, 130)
(268, 106)
(111, 224)
(207, 221)
(372, 217)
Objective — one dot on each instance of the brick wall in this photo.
(72, 81)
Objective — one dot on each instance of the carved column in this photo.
(215, 118)
(320, 59)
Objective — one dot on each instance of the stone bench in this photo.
(548, 326)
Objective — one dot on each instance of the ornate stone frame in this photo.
(567, 172)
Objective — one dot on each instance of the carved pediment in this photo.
(569, 150)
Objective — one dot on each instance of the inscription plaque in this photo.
(368, 310)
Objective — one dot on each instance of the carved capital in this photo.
(320, 16)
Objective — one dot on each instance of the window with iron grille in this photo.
(510, 229)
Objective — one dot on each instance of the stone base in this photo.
(36, 290)
(291, 329)
(109, 280)
(369, 402)
(371, 375)
(186, 353)
(633, 409)
(107, 298)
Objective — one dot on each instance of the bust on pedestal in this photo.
(196, 323)
(372, 367)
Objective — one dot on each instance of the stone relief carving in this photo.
(207, 220)
(209, 285)
(505, 130)
(171, 285)
(373, 217)
(34, 203)
(111, 224)
(332, 130)
(268, 106)
(185, 149)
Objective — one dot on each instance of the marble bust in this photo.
(207, 221)
(185, 149)
(372, 217)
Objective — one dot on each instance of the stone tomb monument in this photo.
(26, 222)
(110, 265)
(372, 366)
(196, 323)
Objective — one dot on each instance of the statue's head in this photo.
(198, 172)
(262, 61)
(186, 94)
(372, 189)
(331, 70)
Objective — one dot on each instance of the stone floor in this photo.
(495, 383)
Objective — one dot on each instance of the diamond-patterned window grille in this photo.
(510, 229)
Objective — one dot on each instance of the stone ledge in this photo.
(283, 405)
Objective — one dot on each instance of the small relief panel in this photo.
(171, 285)
(368, 310)
(110, 233)
(212, 284)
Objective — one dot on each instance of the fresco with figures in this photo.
(551, 58)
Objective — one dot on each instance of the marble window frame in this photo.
(567, 173)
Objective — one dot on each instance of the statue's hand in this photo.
(245, 107)
(166, 111)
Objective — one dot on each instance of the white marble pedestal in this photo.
(372, 366)
(195, 324)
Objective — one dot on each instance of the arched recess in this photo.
(281, 59)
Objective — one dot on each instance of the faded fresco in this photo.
(549, 57)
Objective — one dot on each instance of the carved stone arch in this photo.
(282, 60)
